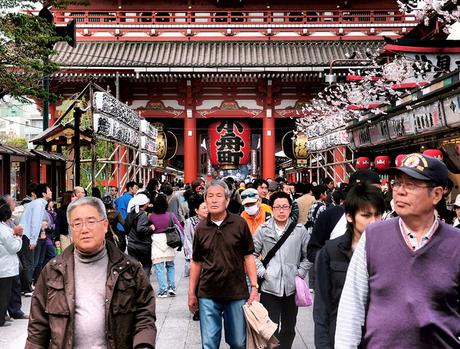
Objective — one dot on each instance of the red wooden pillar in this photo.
(123, 168)
(339, 169)
(191, 159)
(268, 137)
(53, 114)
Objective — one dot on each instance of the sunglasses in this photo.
(250, 195)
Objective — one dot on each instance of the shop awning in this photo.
(11, 150)
(49, 156)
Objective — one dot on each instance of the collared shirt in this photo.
(353, 302)
(221, 249)
(32, 219)
(411, 238)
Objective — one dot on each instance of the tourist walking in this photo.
(279, 287)
(198, 212)
(113, 304)
(114, 217)
(222, 255)
(140, 231)
(162, 255)
(10, 245)
(364, 205)
(402, 284)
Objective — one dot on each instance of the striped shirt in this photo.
(353, 302)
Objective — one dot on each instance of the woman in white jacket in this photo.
(10, 244)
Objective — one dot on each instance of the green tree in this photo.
(18, 142)
(26, 43)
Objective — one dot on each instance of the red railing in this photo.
(247, 24)
(249, 18)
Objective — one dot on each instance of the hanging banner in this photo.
(230, 143)
(115, 130)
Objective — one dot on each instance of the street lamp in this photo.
(331, 78)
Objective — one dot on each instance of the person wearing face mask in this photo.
(253, 213)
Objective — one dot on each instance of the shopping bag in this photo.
(302, 295)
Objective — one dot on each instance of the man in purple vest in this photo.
(403, 283)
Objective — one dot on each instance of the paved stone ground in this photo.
(176, 329)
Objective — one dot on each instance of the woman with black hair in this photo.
(114, 217)
(10, 245)
(364, 204)
(198, 212)
(162, 255)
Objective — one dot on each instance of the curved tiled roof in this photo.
(208, 54)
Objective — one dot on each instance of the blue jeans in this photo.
(211, 313)
(160, 273)
(39, 258)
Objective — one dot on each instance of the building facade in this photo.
(212, 71)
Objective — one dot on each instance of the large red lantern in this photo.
(362, 163)
(434, 153)
(229, 143)
(399, 159)
(382, 162)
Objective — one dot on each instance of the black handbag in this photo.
(275, 249)
(173, 235)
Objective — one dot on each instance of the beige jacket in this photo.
(260, 329)
(304, 202)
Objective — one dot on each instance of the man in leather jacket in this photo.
(92, 295)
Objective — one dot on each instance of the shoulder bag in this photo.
(173, 238)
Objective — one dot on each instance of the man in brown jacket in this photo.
(92, 296)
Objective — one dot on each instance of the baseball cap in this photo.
(249, 196)
(424, 168)
(364, 176)
(107, 200)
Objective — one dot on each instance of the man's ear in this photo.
(437, 194)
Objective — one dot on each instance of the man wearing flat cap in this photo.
(402, 285)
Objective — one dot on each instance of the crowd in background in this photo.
(329, 219)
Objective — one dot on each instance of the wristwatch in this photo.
(255, 286)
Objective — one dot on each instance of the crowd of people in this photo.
(242, 242)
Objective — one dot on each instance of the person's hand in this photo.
(18, 230)
(192, 303)
(152, 227)
(44, 224)
(57, 243)
(31, 247)
(253, 296)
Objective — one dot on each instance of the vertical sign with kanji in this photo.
(229, 143)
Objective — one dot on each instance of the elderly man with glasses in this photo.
(93, 295)
(402, 285)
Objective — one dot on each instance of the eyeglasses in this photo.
(409, 186)
(283, 207)
(249, 195)
(199, 188)
(90, 224)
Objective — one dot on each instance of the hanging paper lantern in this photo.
(399, 159)
(230, 143)
(434, 153)
(382, 162)
(362, 163)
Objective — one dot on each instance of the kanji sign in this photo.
(229, 143)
